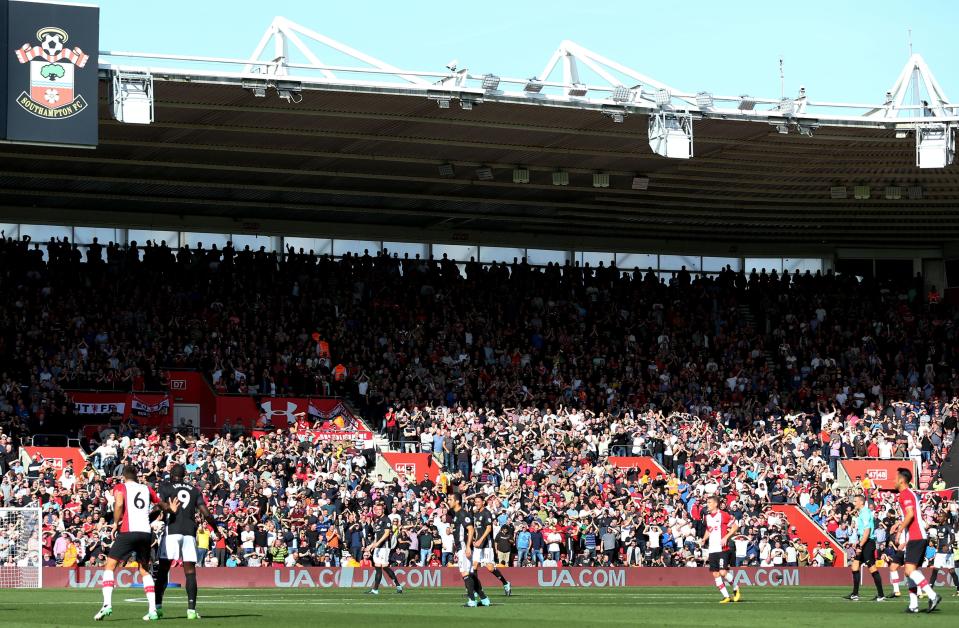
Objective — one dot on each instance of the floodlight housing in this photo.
(620, 93)
(671, 134)
(491, 82)
(640, 183)
(861, 192)
(560, 177)
(577, 90)
(704, 100)
(600, 180)
(521, 175)
(446, 170)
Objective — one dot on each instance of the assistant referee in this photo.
(866, 550)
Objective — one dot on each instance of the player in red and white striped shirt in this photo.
(720, 527)
(917, 540)
(132, 506)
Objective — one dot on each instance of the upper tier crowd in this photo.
(522, 379)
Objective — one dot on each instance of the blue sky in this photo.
(840, 50)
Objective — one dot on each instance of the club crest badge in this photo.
(52, 92)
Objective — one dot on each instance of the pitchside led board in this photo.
(49, 79)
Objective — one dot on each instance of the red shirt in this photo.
(917, 529)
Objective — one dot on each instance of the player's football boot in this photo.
(934, 603)
(373, 592)
(399, 588)
(192, 614)
(160, 612)
(726, 600)
(879, 598)
(508, 589)
(151, 616)
(470, 604)
(106, 611)
(737, 595)
(896, 594)
(484, 601)
(911, 610)
(852, 597)
(956, 594)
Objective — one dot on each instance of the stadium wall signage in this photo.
(436, 577)
(50, 83)
(881, 472)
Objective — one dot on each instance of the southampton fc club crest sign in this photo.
(52, 92)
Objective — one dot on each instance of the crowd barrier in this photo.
(436, 577)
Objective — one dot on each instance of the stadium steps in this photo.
(809, 531)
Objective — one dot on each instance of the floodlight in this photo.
(787, 106)
(671, 135)
(914, 192)
(600, 180)
(446, 170)
(782, 129)
(533, 86)
(620, 94)
(290, 91)
(257, 87)
(663, 97)
(893, 192)
(861, 192)
(640, 183)
(617, 115)
(935, 145)
(521, 175)
(442, 99)
(578, 90)
(490, 82)
(837, 192)
(466, 104)
(805, 129)
(484, 173)
(704, 100)
(560, 177)
(132, 96)
(746, 103)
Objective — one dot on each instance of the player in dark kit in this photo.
(380, 549)
(464, 533)
(483, 545)
(179, 536)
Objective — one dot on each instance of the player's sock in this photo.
(108, 584)
(894, 581)
(191, 591)
(955, 578)
(499, 574)
(729, 577)
(922, 584)
(470, 586)
(162, 577)
(480, 593)
(722, 587)
(378, 578)
(856, 579)
(913, 596)
(149, 588)
(877, 580)
(932, 577)
(391, 575)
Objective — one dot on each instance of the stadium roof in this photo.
(364, 153)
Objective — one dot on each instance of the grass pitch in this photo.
(555, 608)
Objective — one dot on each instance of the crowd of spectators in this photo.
(523, 380)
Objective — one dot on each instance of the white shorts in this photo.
(464, 564)
(381, 557)
(178, 547)
(943, 561)
(483, 556)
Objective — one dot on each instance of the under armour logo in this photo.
(289, 412)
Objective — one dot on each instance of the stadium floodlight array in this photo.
(560, 177)
(132, 97)
(521, 175)
(491, 82)
(837, 192)
(621, 93)
(787, 106)
(577, 90)
(533, 86)
(671, 135)
(704, 100)
(746, 103)
(861, 192)
(484, 173)
(601, 180)
(893, 192)
(20, 555)
(663, 97)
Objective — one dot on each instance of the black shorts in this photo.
(916, 551)
(718, 561)
(128, 543)
(866, 555)
(893, 555)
